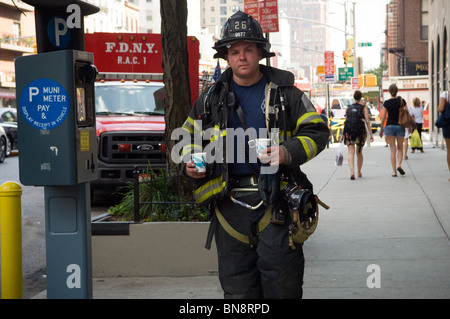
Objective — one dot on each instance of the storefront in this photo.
(7, 97)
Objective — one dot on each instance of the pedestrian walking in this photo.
(394, 132)
(355, 133)
(250, 215)
(444, 103)
(407, 136)
(368, 128)
(416, 113)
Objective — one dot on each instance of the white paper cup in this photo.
(261, 143)
(199, 160)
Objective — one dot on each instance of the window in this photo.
(16, 30)
(424, 20)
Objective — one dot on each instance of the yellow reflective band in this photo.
(209, 189)
(188, 125)
(288, 134)
(187, 149)
(217, 132)
(191, 125)
(310, 117)
(309, 146)
(189, 128)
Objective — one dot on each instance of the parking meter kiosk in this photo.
(57, 140)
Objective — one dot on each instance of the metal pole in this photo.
(328, 108)
(136, 195)
(345, 26)
(268, 40)
(11, 240)
(68, 241)
(355, 58)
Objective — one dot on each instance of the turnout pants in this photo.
(270, 269)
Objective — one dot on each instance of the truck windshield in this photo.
(129, 99)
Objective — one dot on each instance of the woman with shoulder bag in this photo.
(394, 132)
(443, 103)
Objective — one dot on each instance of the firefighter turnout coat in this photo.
(304, 135)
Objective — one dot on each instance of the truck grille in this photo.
(132, 147)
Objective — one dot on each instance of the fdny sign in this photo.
(128, 53)
(139, 53)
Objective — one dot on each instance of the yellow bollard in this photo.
(11, 240)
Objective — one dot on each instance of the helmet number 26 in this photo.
(240, 25)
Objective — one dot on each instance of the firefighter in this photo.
(248, 197)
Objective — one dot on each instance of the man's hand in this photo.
(192, 172)
(273, 155)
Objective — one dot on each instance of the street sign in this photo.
(265, 12)
(365, 44)
(320, 69)
(355, 83)
(345, 73)
(329, 62)
(329, 78)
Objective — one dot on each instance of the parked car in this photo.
(8, 120)
(374, 117)
(3, 140)
(339, 105)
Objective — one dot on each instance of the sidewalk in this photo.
(391, 233)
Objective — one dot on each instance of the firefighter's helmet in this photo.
(241, 27)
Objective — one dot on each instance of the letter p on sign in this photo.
(33, 91)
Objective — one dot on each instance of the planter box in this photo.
(156, 249)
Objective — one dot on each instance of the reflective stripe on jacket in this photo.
(306, 132)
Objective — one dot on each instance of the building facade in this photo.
(407, 37)
(309, 35)
(17, 38)
(114, 16)
(439, 73)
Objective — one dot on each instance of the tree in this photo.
(378, 72)
(175, 68)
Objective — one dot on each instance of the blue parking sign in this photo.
(44, 104)
(58, 32)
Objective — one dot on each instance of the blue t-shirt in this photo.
(252, 101)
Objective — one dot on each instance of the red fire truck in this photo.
(129, 102)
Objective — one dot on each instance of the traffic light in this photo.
(345, 54)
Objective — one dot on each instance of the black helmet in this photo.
(241, 27)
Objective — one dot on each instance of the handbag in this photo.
(404, 119)
(444, 118)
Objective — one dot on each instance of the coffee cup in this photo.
(261, 144)
(199, 160)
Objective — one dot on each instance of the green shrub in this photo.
(156, 188)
